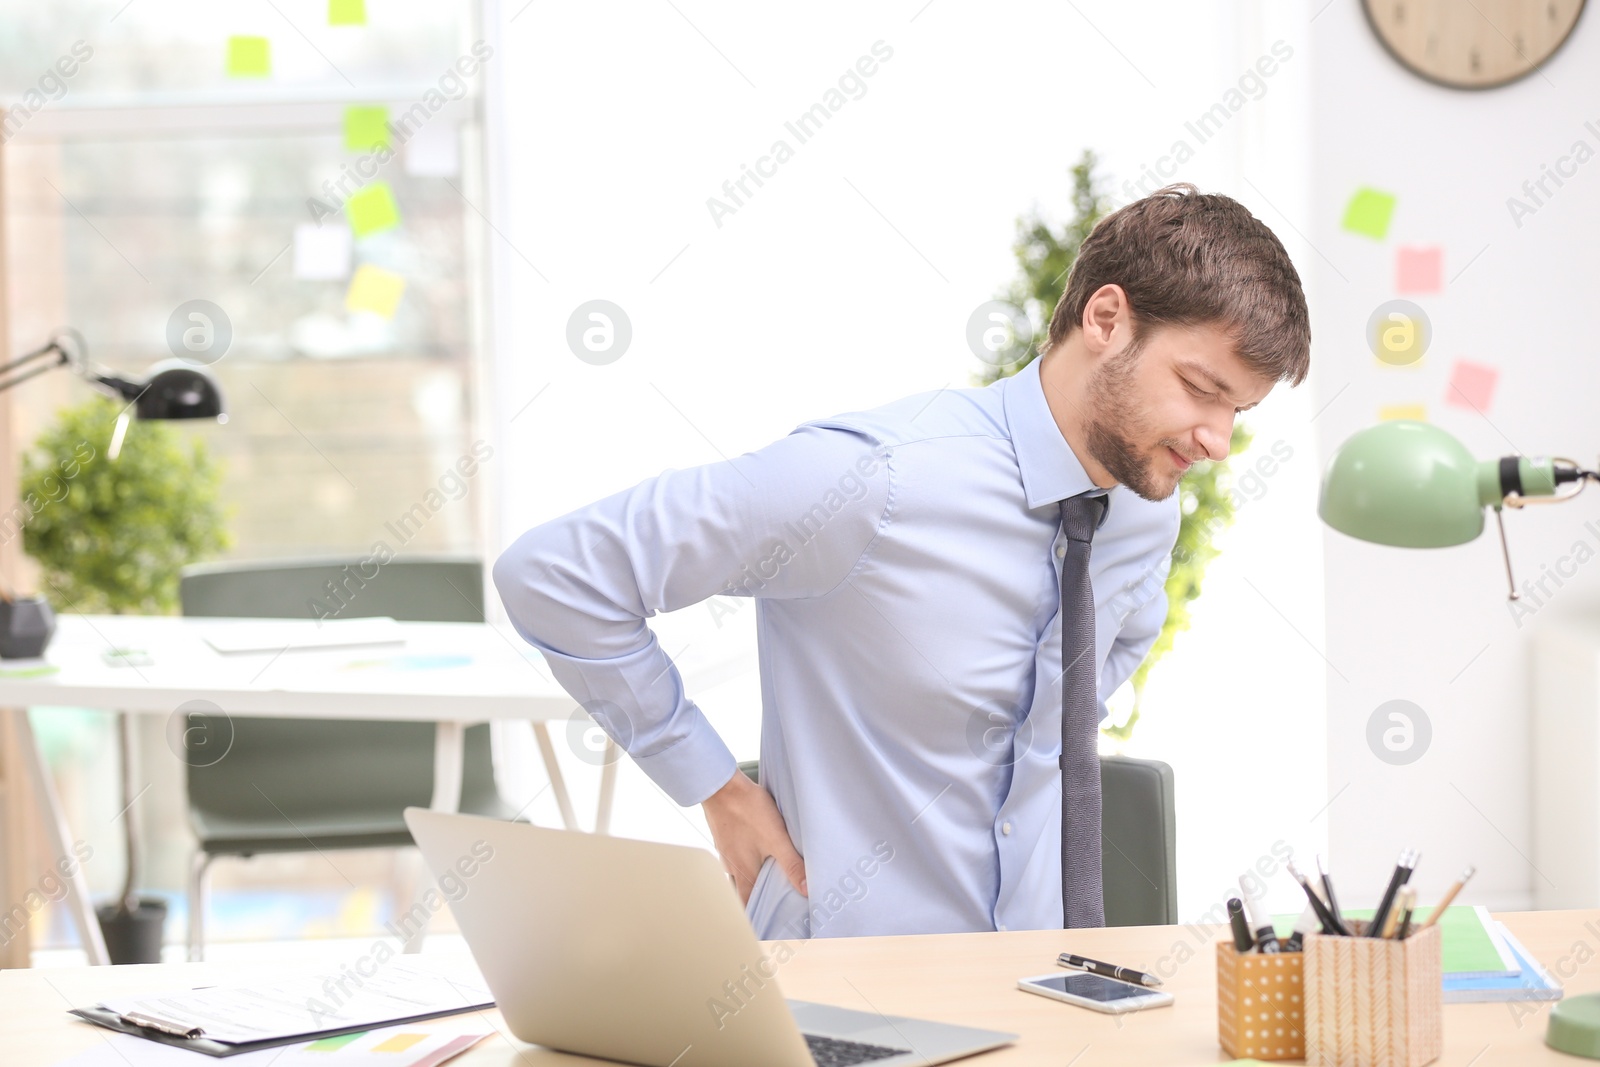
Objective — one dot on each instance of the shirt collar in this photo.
(1050, 469)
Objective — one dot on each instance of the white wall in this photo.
(846, 282)
(1434, 627)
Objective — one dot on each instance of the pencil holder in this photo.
(1260, 1004)
(1373, 1002)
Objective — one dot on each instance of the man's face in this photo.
(1157, 407)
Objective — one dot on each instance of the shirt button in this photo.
(1005, 828)
(1061, 550)
(1001, 927)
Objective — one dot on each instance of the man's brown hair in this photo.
(1187, 258)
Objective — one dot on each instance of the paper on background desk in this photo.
(411, 1045)
(301, 1004)
(278, 635)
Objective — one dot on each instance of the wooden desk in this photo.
(962, 978)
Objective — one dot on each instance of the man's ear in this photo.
(1105, 314)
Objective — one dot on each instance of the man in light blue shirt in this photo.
(906, 567)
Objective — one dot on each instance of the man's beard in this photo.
(1115, 421)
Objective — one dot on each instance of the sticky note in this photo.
(376, 290)
(1419, 270)
(1402, 411)
(347, 12)
(332, 1044)
(322, 252)
(366, 128)
(372, 209)
(1471, 385)
(249, 57)
(434, 150)
(1368, 213)
(400, 1042)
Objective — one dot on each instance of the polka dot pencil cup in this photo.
(1260, 1003)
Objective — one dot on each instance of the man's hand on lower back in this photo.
(746, 827)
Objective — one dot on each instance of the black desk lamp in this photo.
(174, 389)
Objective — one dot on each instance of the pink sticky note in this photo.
(1419, 270)
(1471, 385)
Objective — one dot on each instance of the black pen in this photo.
(1402, 873)
(1243, 941)
(1107, 970)
(1327, 894)
(1308, 921)
(1330, 923)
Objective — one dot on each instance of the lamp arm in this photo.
(12, 374)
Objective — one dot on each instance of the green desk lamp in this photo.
(1411, 484)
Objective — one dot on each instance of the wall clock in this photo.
(1472, 44)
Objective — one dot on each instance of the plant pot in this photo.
(26, 626)
(133, 936)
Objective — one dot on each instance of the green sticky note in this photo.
(1368, 213)
(347, 12)
(366, 128)
(249, 57)
(333, 1044)
(372, 209)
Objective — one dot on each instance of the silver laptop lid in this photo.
(604, 946)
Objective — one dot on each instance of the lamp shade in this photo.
(1408, 484)
(177, 390)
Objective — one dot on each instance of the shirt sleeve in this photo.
(1139, 631)
(789, 520)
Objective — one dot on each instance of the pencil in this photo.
(1433, 916)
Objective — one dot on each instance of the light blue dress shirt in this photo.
(905, 563)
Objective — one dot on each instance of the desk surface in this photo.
(963, 978)
(468, 672)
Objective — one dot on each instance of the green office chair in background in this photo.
(1138, 839)
(298, 785)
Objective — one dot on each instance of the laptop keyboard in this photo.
(832, 1052)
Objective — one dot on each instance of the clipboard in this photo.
(112, 1021)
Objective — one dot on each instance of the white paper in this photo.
(434, 150)
(313, 1003)
(322, 252)
(286, 635)
(125, 1050)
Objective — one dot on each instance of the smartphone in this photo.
(1095, 992)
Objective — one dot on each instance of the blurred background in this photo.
(387, 315)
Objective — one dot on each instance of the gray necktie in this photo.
(1082, 903)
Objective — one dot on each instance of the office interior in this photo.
(452, 269)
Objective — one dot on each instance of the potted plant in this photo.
(115, 540)
(1044, 257)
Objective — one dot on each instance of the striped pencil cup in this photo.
(1260, 1004)
(1374, 1002)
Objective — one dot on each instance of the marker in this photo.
(1402, 873)
(1242, 939)
(1327, 894)
(1330, 923)
(1307, 922)
(1266, 937)
(1107, 970)
(1433, 916)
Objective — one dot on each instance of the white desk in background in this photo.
(449, 673)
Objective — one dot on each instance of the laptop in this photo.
(640, 952)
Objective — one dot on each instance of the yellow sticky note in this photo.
(400, 1042)
(376, 290)
(347, 12)
(372, 209)
(366, 128)
(1415, 412)
(249, 57)
(1368, 213)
